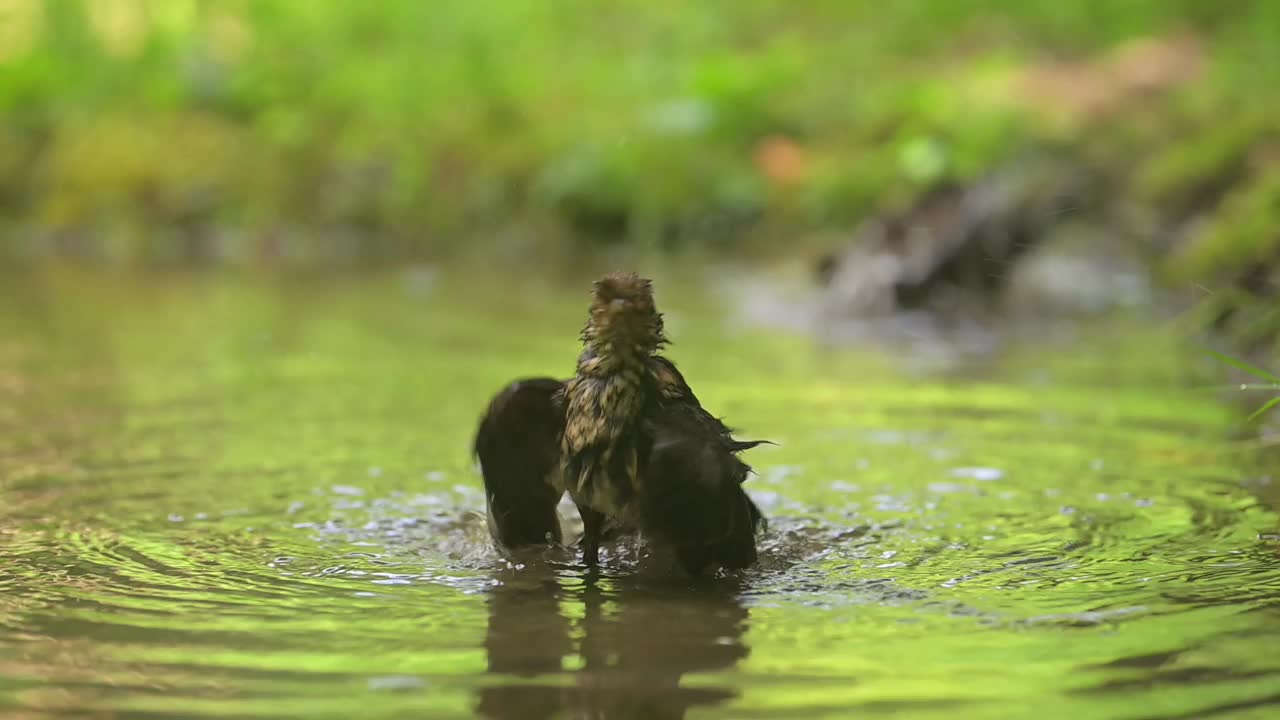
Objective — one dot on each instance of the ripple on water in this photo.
(233, 527)
(183, 612)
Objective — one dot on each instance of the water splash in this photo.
(239, 500)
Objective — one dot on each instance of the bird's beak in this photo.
(619, 305)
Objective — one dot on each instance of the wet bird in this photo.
(627, 439)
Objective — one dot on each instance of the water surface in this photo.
(248, 497)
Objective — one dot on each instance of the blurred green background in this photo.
(1049, 527)
(259, 131)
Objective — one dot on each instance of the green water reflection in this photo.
(246, 497)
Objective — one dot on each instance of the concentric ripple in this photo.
(256, 501)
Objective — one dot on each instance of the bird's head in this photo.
(623, 316)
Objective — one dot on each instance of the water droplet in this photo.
(985, 474)
(396, 682)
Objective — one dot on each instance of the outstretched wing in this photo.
(694, 498)
(677, 394)
(694, 480)
(519, 450)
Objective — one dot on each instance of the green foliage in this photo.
(1272, 381)
(1244, 231)
(1202, 162)
(247, 128)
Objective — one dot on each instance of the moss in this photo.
(1244, 232)
(1197, 167)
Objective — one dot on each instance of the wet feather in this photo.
(627, 438)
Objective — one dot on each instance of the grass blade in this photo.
(1242, 387)
(1242, 365)
(1267, 406)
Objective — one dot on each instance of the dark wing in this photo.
(676, 392)
(693, 496)
(518, 444)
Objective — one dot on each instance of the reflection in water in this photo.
(221, 499)
(631, 646)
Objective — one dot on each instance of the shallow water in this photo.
(253, 498)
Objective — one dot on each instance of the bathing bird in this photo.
(629, 441)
